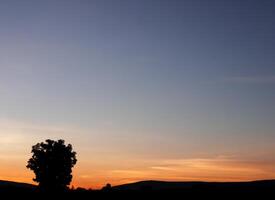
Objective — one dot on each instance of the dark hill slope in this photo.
(6, 186)
(163, 185)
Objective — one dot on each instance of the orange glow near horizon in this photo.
(218, 169)
(107, 160)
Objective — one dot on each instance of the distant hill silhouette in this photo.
(164, 185)
(159, 185)
(7, 186)
(156, 185)
(151, 189)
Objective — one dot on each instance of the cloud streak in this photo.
(220, 168)
(218, 164)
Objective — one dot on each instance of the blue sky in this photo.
(190, 78)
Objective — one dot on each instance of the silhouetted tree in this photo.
(52, 163)
(107, 187)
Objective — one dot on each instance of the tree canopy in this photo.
(52, 162)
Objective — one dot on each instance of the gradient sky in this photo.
(142, 89)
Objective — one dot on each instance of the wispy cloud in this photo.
(163, 168)
(17, 133)
(267, 79)
(215, 169)
(221, 168)
(8, 124)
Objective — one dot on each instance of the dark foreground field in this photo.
(150, 189)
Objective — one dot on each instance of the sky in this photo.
(142, 89)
